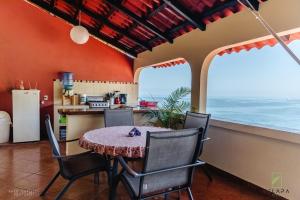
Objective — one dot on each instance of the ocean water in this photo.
(280, 114)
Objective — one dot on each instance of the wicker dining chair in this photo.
(76, 166)
(198, 120)
(162, 173)
(118, 117)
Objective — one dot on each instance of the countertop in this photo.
(96, 111)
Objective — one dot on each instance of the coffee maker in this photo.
(123, 98)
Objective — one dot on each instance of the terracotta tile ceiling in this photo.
(135, 26)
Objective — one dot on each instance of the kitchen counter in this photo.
(97, 111)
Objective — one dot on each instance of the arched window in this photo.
(258, 87)
(156, 83)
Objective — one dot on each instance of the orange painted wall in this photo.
(35, 47)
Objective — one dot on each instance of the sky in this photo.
(160, 82)
(265, 73)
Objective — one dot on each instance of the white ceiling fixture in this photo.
(79, 34)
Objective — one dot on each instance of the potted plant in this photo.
(171, 110)
(111, 96)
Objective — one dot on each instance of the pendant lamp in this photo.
(79, 34)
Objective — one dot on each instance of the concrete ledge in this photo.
(259, 131)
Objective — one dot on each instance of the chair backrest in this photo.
(52, 138)
(118, 117)
(165, 150)
(196, 120)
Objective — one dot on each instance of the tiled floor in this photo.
(25, 169)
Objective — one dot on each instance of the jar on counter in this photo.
(82, 99)
(74, 100)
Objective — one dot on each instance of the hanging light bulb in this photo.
(79, 34)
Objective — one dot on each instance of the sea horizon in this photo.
(278, 113)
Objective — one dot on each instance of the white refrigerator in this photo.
(26, 115)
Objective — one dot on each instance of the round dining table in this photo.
(115, 141)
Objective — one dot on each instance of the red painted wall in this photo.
(35, 47)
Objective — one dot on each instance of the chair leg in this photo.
(96, 178)
(190, 193)
(109, 170)
(206, 172)
(113, 189)
(179, 195)
(61, 193)
(115, 168)
(109, 177)
(49, 184)
(114, 180)
(166, 196)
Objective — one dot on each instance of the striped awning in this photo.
(170, 63)
(258, 45)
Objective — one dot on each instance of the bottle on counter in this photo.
(22, 85)
(111, 101)
(117, 100)
(123, 98)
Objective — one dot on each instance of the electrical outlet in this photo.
(45, 97)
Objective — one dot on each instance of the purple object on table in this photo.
(131, 133)
(134, 132)
(137, 132)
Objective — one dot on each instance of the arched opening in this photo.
(288, 36)
(158, 81)
(257, 87)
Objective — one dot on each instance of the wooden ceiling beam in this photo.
(114, 43)
(179, 27)
(210, 12)
(117, 5)
(219, 8)
(93, 32)
(186, 13)
(77, 6)
(157, 10)
(52, 3)
(105, 21)
(115, 28)
(173, 30)
(255, 4)
(110, 12)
